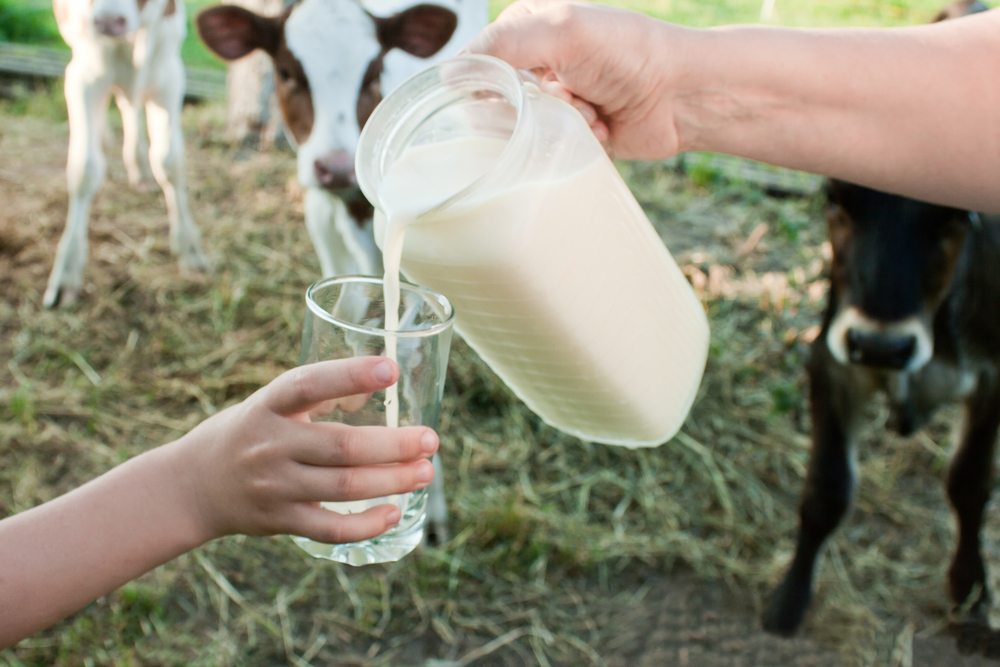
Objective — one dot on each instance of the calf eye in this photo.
(284, 74)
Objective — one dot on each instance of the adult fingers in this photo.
(586, 110)
(551, 85)
(603, 134)
(338, 485)
(333, 444)
(298, 390)
(322, 525)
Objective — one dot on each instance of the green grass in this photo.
(194, 52)
(826, 13)
(27, 21)
(45, 101)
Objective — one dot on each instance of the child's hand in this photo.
(262, 468)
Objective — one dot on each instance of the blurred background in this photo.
(562, 552)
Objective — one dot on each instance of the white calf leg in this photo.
(359, 242)
(322, 212)
(86, 167)
(135, 147)
(436, 524)
(166, 157)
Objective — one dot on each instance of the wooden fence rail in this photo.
(45, 62)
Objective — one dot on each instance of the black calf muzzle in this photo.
(880, 350)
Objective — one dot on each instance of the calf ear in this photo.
(421, 31)
(232, 32)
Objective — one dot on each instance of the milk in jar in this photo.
(557, 278)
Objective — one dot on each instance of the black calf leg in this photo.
(970, 478)
(828, 491)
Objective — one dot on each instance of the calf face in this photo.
(113, 19)
(893, 262)
(328, 61)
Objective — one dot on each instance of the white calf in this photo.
(333, 61)
(131, 49)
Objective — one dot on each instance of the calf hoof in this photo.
(144, 185)
(787, 610)
(60, 295)
(436, 533)
(972, 636)
(194, 260)
(993, 645)
(971, 628)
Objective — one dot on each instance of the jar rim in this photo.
(397, 112)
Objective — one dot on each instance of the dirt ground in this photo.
(637, 615)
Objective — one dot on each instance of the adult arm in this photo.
(258, 468)
(908, 110)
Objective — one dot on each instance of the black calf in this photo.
(914, 311)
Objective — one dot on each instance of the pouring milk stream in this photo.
(500, 198)
(422, 179)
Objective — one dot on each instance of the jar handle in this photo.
(530, 79)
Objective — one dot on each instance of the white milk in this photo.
(570, 297)
(417, 187)
(393, 247)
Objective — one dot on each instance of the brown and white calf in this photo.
(333, 61)
(914, 311)
(129, 49)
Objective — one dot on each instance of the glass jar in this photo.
(557, 278)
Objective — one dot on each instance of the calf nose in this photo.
(881, 350)
(335, 171)
(111, 25)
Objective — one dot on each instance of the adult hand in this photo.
(896, 109)
(613, 65)
(262, 467)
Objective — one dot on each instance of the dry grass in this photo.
(551, 534)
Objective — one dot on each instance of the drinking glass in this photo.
(344, 318)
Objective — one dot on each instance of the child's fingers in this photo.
(299, 389)
(550, 84)
(322, 525)
(334, 444)
(315, 483)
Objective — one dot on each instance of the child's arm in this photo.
(258, 468)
